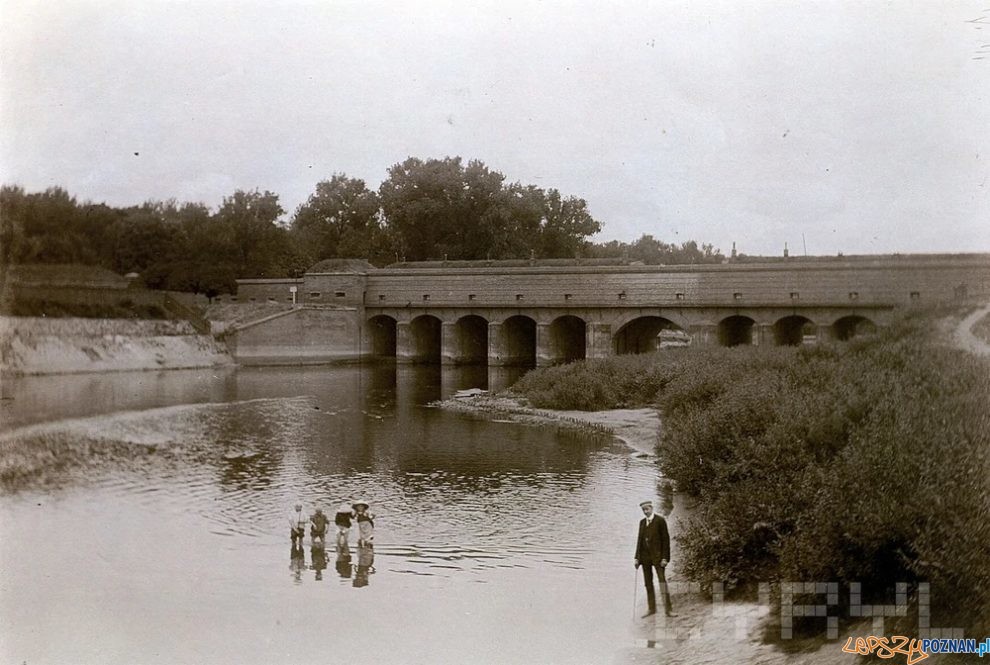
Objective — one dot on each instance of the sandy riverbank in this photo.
(637, 428)
(70, 345)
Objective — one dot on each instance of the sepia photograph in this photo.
(622, 332)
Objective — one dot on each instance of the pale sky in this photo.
(864, 126)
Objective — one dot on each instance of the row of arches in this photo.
(791, 330)
(467, 341)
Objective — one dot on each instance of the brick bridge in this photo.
(525, 313)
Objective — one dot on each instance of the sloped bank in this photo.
(70, 345)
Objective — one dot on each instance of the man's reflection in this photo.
(365, 566)
(318, 555)
(297, 562)
(344, 565)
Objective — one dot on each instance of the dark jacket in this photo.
(653, 543)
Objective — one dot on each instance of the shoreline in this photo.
(33, 346)
(639, 429)
(699, 632)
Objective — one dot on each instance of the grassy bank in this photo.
(861, 462)
(125, 309)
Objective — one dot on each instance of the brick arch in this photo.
(736, 330)
(790, 330)
(846, 327)
(515, 343)
(382, 334)
(567, 338)
(471, 339)
(425, 338)
(640, 334)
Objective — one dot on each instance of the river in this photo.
(495, 541)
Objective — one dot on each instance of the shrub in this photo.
(867, 461)
(871, 466)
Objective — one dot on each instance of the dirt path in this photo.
(963, 334)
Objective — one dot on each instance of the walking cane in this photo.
(635, 584)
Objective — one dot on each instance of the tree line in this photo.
(424, 210)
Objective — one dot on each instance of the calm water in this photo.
(495, 542)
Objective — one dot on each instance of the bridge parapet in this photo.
(893, 283)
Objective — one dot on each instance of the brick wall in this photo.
(303, 335)
(264, 290)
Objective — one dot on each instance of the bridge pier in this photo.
(405, 344)
(544, 346)
(703, 334)
(598, 340)
(763, 334)
(496, 346)
(450, 346)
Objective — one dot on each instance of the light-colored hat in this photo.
(646, 503)
(361, 503)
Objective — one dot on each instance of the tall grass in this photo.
(860, 462)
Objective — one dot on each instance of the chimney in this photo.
(785, 250)
(733, 250)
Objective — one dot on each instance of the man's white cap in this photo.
(646, 503)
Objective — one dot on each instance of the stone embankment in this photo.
(70, 345)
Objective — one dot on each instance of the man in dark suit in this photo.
(653, 552)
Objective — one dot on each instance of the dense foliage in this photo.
(425, 209)
(860, 462)
(181, 247)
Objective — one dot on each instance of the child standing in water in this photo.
(366, 524)
(318, 527)
(297, 526)
(345, 513)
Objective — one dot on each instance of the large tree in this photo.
(441, 208)
(341, 219)
(246, 224)
(566, 226)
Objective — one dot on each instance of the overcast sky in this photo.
(863, 126)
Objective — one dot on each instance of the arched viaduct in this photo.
(528, 313)
(544, 336)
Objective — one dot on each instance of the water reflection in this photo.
(297, 562)
(318, 556)
(344, 566)
(460, 503)
(365, 565)
(33, 399)
(373, 390)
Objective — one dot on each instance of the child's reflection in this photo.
(318, 555)
(297, 563)
(365, 567)
(344, 566)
